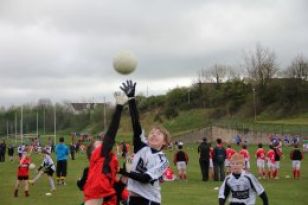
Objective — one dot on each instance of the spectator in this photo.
(219, 157)
(61, 153)
(204, 158)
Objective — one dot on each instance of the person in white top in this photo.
(243, 186)
(149, 162)
(47, 167)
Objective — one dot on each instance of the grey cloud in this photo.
(53, 45)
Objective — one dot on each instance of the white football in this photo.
(32, 166)
(125, 62)
(48, 194)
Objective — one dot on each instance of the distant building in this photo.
(82, 107)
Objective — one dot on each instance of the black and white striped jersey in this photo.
(242, 188)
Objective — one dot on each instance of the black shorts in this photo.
(61, 168)
(23, 177)
(49, 171)
(135, 200)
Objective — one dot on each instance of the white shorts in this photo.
(296, 164)
(211, 163)
(181, 165)
(260, 163)
(277, 164)
(227, 163)
(271, 164)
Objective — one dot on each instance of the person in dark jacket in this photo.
(204, 159)
(219, 157)
(10, 151)
(2, 151)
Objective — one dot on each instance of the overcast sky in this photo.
(63, 49)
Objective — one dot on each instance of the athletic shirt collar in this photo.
(154, 151)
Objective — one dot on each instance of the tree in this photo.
(261, 65)
(216, 73)
(298, 68)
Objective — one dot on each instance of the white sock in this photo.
(51, 183)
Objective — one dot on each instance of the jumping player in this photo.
(181, 160)
(149, 162)
(229, 153)
(243, 186)
(296, 156)
(23, 174)
(47, 167)
(244, 152)
(103, 167)
(119, 185)
(260, 155)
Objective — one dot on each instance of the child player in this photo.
(47, 167)
(149, 162)
(271, 163)
(244, 152)
(260, 155)
(211, 165)
(23, 173)
(101, 175)
(243, 186)
(229, 153)
(296, 156)
(181, 160)
(119, 186)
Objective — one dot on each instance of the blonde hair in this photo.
(237, 158)
(167, 136)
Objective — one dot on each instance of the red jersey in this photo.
(245, 154)
(230, 152)
(98, 185)
(23, 168)
(271, 155)
(260, 153)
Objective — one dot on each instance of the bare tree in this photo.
(218, 72)
(261, 65)
(298, 68)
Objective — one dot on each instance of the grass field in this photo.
(192, 192)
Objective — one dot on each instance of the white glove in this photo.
(128, 164)
(120, 98)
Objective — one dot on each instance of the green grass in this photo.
(194, 191)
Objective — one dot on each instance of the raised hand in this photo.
(129, 88)
(120, 98)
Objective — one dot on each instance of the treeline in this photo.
(261, 86)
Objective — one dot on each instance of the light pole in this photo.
(254, 103)
(55, 123)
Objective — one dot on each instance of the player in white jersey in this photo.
(243, 186)
(47, 167)
(20, 150)
(149, 162)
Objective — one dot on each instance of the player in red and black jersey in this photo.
(296, 156)
(23, 174)
(181, 160)
(101, 175)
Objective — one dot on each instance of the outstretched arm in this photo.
(264, 198)
(109, 138)
(129, 90)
